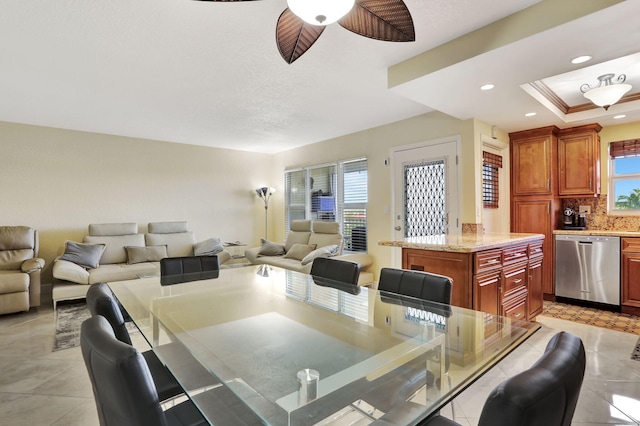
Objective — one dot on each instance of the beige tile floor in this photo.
(41, 387)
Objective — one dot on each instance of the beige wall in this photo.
(59, 181)
(375, 144)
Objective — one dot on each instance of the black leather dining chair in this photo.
(175, 270)
(545, 394)
(123, 387)
(418, 284)
(340, 274)
(101, 301)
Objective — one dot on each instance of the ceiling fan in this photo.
(300, 25)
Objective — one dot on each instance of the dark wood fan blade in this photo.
(387, 20)
(294, 36)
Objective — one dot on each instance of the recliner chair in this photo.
(20, 269)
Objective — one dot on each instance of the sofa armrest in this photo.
(69, 271)
(223, 256)
(252, 254)
(32, 265)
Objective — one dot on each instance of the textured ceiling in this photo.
(207, 73)
(210, 73)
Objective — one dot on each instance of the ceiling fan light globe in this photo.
(320, 12)
(606, 96)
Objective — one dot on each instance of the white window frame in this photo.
(611, 198)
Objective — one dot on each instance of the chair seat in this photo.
(13, 282)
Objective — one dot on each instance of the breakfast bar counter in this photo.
(498, 273)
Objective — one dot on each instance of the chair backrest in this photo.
(17, 244)
(100, 301)
(115, 237)
(123, 388)
(326, 234)
(175, 235)
(418, 284)
(298, 234)
(174, 270)
(546, 393)
(340, 274)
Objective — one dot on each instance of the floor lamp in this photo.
(265, 193)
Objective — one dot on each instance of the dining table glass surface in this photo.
(300, 350)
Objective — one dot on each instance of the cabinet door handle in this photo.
(492, 260)
(517, 280)
(518, 315)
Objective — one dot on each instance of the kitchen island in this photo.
(498, 273)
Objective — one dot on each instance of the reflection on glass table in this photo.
(294, 352)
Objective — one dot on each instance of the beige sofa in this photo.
(321, 237)
(122, 242)
(20, 269)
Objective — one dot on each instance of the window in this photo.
(331, 192)
(624, 177)
(490, 184)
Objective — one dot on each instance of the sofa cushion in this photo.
(86, 255)
(299, 251)
(12, 259)
(322, 240)
(102, 229)
(326, 251)
(269, 248)
(179, 244)
(13, 282)
(17, 237)
(145, 254)
(208, 247)
(167, 227)
(115, 244)
(122, 271)
(69, 271)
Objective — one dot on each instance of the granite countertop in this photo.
(464, 243)
(601, 232)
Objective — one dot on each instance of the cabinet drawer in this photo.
(631, 244)
(516, 309)
(487, 260)
(535, 249)
(514, 254)
(514, 279)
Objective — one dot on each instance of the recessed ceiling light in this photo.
(487, 87)
(580, 59)
(616, 117)
(530, 114)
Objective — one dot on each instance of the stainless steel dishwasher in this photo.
(587, 267)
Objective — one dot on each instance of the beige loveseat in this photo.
(127, 255)
(320, 238)
(20, 269)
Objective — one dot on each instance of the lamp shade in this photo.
(320, 12)
(606, 96)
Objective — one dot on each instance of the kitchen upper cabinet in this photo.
(533, 161)
(579, 161)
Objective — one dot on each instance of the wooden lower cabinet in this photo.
(535, 287)
(457, 266)
(502, 281)
(631, 276)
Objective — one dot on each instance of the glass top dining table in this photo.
(297, 350)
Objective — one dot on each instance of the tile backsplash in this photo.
(599, 219)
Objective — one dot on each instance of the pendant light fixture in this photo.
(320, 12)
(606, 93)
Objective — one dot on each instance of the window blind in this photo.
(490, 182)
(627, 148)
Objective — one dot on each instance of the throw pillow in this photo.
(137, 254)
(326, 251)
(208, 247)
(269, 248)
(85, 255)
(299, 251)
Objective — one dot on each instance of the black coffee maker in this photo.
(573, 221)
